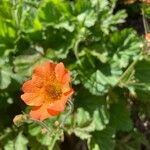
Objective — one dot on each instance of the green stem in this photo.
(41, 124)
(144, 22)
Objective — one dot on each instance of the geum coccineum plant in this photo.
(109, 70)
(48, 91)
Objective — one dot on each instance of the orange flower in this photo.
(148, 1)
(47, 91)
(147, 37)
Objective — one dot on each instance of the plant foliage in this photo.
(109, 69)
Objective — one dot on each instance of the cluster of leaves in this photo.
(109, 67)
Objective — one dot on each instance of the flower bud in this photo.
(44, 130)
(56, 123)
(19, 119)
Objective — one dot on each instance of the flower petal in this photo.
(44, 70)
(32, 86)
(32, 99)
(38, 71)
(38, 82)
(40, 113)
(52, 112)
(66, 77)
(48, 68)
(29, 87)
(69, 93)
(59, 105)
(59, 71)
(66, 88)
(65, 82)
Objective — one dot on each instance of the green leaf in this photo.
(9, 145)
(21, 142)
(95, 106)
(91, 114)
(5, 75)
(51, 11)
(7, 37)
(26, 12)
(23, 66)
(101, 117)
(50, 140)
(100, 4)
(82, 123)
(82, 6)
(7, 26)
(125, 46)
(108, 20)
(46, 139)
(141, 83)
(5, 9)
(34, 129)
(82, 117)
(102, 140)
(88, 18)
(119, 17)
(120, 116)
(142, 71)
(98, 83)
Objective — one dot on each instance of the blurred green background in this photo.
(102, 43)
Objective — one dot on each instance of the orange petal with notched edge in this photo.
(31, 86)
(59, 71)
(32, 99)
(66, 78)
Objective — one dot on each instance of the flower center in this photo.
(54, 92)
